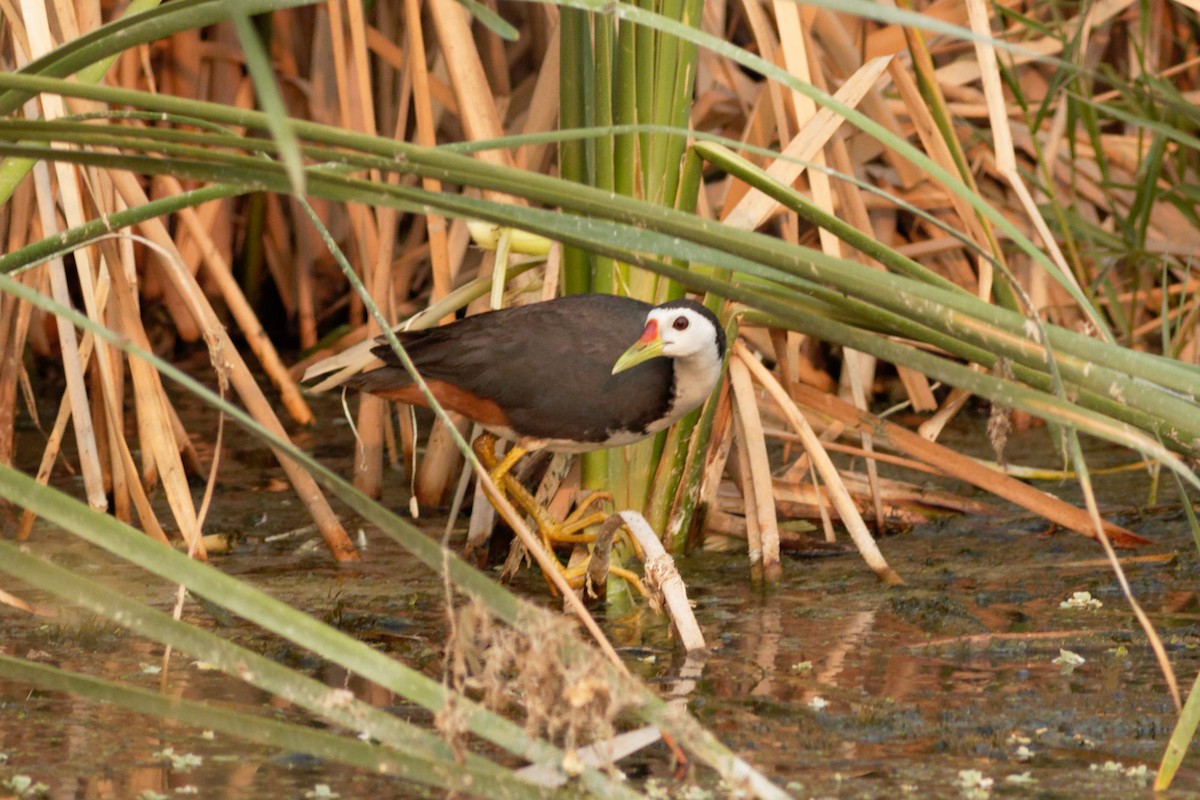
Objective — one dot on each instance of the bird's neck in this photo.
(695, 378)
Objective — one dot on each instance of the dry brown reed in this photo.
(1006, 123)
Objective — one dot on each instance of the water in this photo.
(831, 684)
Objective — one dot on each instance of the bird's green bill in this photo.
(648, 347)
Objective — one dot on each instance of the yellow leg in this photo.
(551, 530)
(500, 471)
(485, 449)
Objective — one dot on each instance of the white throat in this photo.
(695, 378)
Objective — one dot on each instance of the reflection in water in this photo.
(832, 676)
(953, 672)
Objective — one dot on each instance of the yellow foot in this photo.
(577, 576)
(553, 531)
(581, 518)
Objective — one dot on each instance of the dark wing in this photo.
(546, 365)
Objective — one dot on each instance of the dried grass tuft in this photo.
(524, 674)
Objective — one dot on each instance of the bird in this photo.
(577, 373)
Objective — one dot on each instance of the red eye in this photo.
(680, 323)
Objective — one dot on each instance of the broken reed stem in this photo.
(746, 483)
(373, 417)
(833, 483)
(963, 468)
(662, 576)
(426, 129)
(242, 380)
(756, 485)
(218, 270)
(374, 229)
(76, 395)
(151, 403)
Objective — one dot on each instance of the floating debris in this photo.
(1081, 601)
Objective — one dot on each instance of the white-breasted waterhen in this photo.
(582, 372)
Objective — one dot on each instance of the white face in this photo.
(684, 332)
